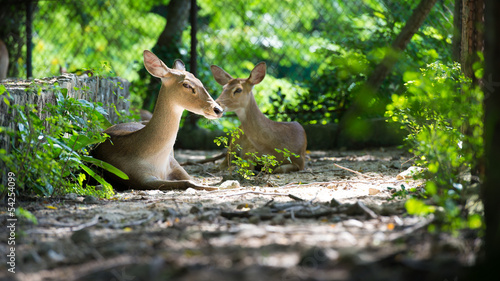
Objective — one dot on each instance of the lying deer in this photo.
(4, 60)
(260, 134)
(145, 151)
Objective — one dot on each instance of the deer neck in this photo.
(159, 135)
(252, 119)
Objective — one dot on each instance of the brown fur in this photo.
(261, 135)
(145, 151)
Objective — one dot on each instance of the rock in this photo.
(71, 196)
(254, 219)
(53, 255)
(334, 203)
(316, 257)
(229, 184)
(262, 211)
(170, 212)
(90, 200)
(353, 223)
(190, 190)
(81, 237)
(359, 208)
(209, 215)
(378, 238)
(346, 238)
(409, 173)
(349, 256)
(279, 219)
(195, 210)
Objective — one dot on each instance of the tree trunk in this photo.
(491, 89)
(398, 46)
(169, 42)
(472, 35)
(177, 18)
(472, 42)
(364, 96)
(457, 31)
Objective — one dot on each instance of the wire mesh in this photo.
(296, 38)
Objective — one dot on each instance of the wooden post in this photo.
(194, 41)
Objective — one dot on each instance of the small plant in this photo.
(243, 167)
(399, 194)
(48, 154)
(405, 193)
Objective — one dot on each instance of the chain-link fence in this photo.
(311, 44)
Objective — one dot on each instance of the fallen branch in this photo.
(264, 193)
(66, 227)
(352, 171)
(132, 223)
(410, 230)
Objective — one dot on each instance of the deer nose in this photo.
(218, 110)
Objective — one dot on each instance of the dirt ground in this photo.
(327, 222)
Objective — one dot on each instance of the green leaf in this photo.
(108, 167)
(82, 141)
(98, 178)
(20, 212)
(475, 221)
(418, 207)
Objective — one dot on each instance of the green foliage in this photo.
(25, 214)
(243, 166)
(317, 52)
(49, 152)
(443, 115)
(120, 36)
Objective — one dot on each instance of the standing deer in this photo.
(4, 60)
(145, 152)
(260, 134)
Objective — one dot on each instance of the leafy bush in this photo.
(242, 167)
(443, 115)
(48, 154)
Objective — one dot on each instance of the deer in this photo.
(260, 134)
(144, 151)
(4, 60)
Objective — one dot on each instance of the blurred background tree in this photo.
(318, 53)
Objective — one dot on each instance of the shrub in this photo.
(48, 154)
(443, 115)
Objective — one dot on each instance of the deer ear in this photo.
(258, 73)
(154, 65)
(220, 75)
(179, 65)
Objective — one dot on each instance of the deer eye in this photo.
(187, 86)
(237, 91)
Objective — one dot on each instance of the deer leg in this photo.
(286, 168)
(174, 185)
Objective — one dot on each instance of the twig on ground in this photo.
(258, 192)
(269, 202)
(132, 223)
(411, 230)
(352, 171)
(295, 197)
(74, 226)
(401, 168)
